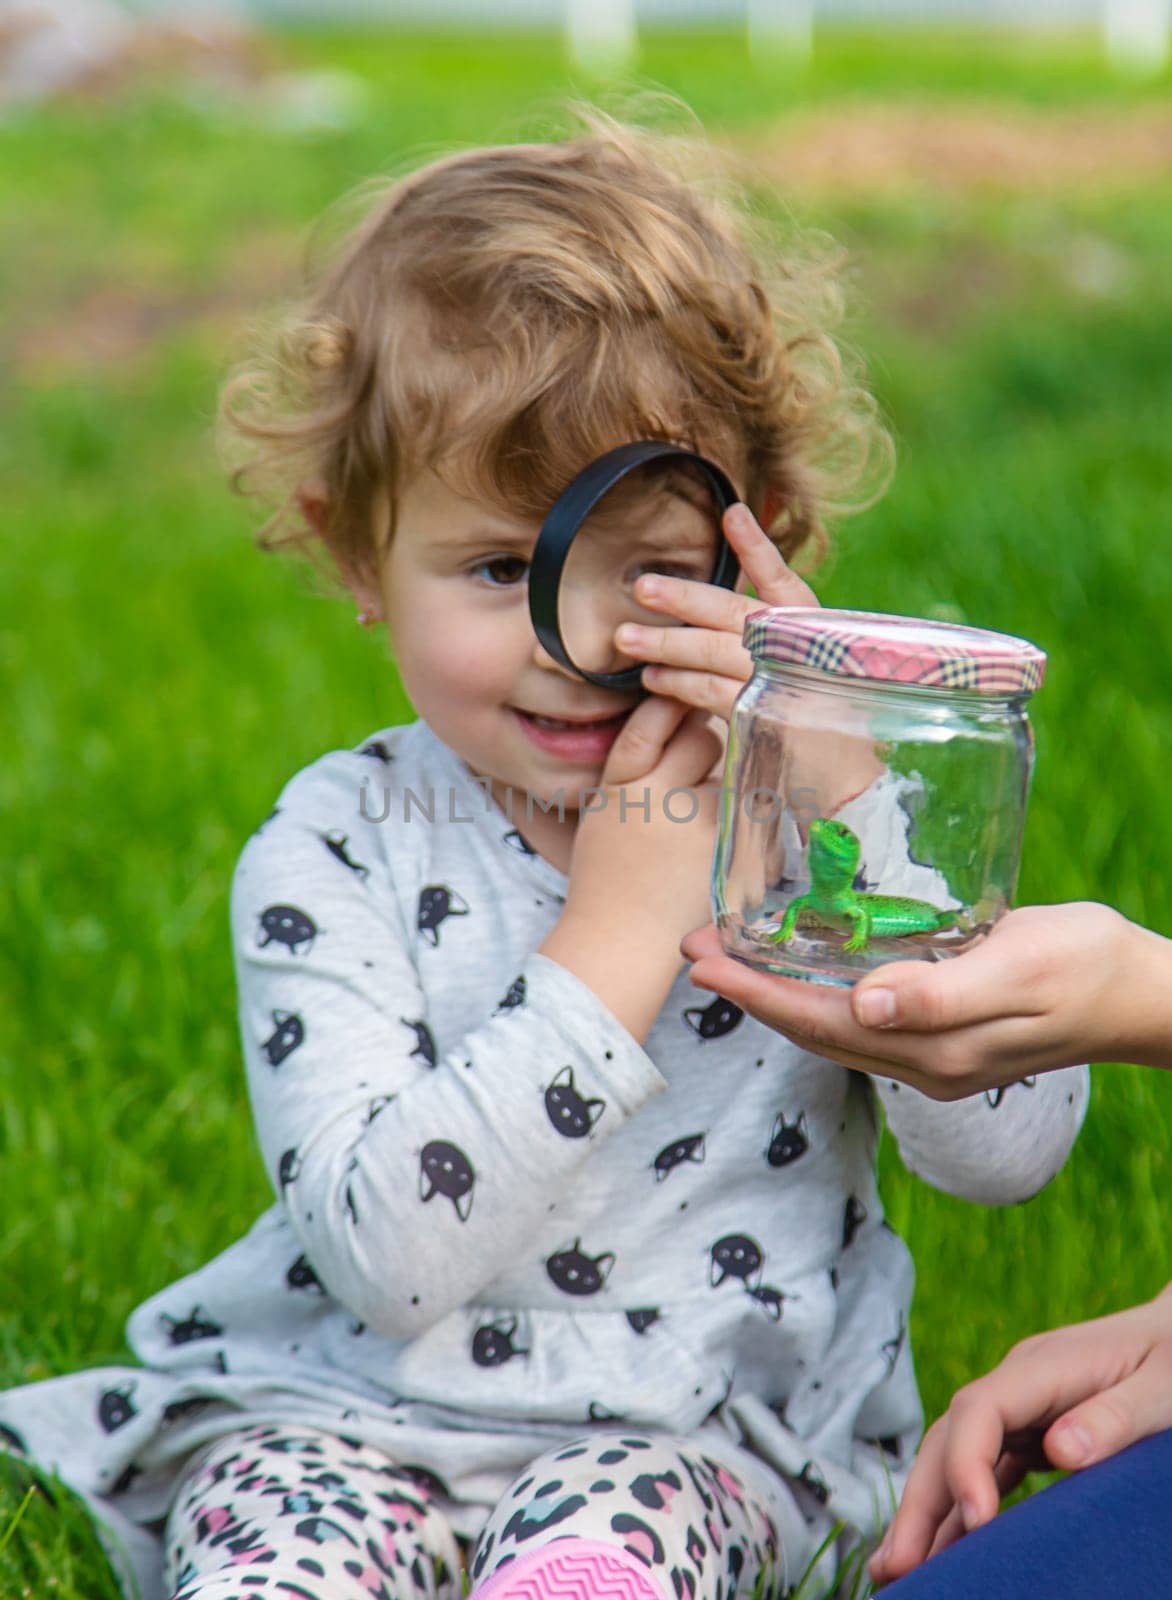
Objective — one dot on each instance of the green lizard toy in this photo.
(834, 853)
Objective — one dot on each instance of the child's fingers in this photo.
(702, 649)
(699, 605)
(641, 741)
(762, 563)
(693, 750)
(702, 690)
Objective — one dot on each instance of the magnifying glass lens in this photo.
(661, 518)
(647, 506)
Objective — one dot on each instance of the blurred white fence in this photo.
(1027, 13)
(1135, 32)
(46, 46)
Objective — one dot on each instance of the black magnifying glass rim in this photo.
(566, 516)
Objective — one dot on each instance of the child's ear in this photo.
(772, 503)
(313, 504)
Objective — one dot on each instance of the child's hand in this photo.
(636, 856)
(705, 665)
(1063, 1399)
(1050, 987)
(639, 870)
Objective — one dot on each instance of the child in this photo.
(562, 1264)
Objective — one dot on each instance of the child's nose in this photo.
(543, 659)
(588, 622)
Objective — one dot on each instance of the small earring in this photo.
(365, 618)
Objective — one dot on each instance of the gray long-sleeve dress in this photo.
(499, 1220)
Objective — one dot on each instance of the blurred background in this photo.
(1000, 176)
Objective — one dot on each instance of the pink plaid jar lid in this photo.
(886, 649)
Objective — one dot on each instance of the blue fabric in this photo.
(1104, 1531)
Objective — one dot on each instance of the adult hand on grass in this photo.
(1051, 986)
(1064, 1399)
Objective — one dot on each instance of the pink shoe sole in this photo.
(571, 1569)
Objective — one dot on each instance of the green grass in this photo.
(161, 680)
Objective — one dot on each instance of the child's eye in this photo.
(515, 568)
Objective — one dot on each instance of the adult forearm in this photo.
(1145, 1013)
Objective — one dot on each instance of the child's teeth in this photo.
(559, 723)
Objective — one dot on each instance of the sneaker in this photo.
(571, 1569)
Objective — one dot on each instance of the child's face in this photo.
(454, 589)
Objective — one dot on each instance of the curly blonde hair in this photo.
(506, 314)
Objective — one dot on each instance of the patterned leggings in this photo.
(302, 1515)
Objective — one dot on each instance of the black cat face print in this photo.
(854, 1214)
(574, 1272)
(715, 1020)
(115, 1407)
(438, 902)
(444, 1169)
(378, 750)
(994, 1097)
(571, 1115)
(643, 1319)
(770, 1300)
(287, 925)
(336, 843)
(288, 1035)
(788, 1141)
(735, 1256)
(195, 1326)
(424, 1047)
(302, 1276)
(689, 1148)
(492, 1343)
(514, 996)
(892, 1347)
(740, 1258)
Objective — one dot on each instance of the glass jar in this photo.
(874, 791)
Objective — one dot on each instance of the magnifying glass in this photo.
(648, 506)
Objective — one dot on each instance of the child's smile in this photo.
(580, 740)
